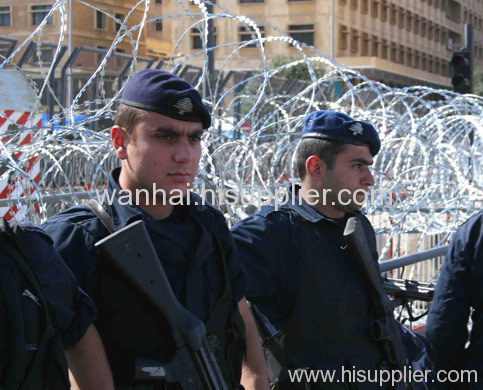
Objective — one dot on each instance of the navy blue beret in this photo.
(166, 94)
(336, 126)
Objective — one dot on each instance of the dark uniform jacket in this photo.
(308, 285)
(194, 245)
(459, 289)
(40, 302)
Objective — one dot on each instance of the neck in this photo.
(317, 203)
(145, 201)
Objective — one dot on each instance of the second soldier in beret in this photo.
(303, 278)
(157, 136)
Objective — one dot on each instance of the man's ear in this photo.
(315, 168)
(120, 139)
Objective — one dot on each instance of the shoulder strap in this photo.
(103, 216)
(108, 223)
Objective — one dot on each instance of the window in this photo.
(375, 8)
(400, 17)
(355, 40)
(197, 42)
(120, 17)
(444, 37)
(385, 49)
(354, 4)
(384, 10)
(437, 66)
(303, 33)
(159, 25)
(444, 69)
(424, 62)
(409, 57)
(100, 20)
(343, 34)
(46, 55)
(417, 60)
(416, 24)
(248, 34)
(39, 12)
(394, 52)
(365, 6)
(401, 55)
(409, 21)
(393, 15)
(423, 27)
(5, 16)
(430, 64)
(159, 1)
(365, 45)
(375, 46)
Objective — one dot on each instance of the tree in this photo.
(297, 72)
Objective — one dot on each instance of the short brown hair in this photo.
(128, 117)
(326, 150)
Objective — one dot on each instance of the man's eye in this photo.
(358, 166)
(166, 137)
(195, 138)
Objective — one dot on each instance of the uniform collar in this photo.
(306, 211)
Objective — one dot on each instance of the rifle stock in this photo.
(384, 327)
(132, 253)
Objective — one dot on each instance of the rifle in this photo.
(384, 327)
(404, 289)
(193, 365)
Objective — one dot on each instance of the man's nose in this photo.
(184, 152)
(369, 179)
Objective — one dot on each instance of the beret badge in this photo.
(184, 105)
(356, 128)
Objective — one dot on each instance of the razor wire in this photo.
(429, 167)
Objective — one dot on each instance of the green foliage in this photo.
(297, 72)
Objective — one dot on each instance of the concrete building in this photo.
(90, 27)
(399, 42)
(96, 26)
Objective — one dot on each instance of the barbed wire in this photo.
(430, 163)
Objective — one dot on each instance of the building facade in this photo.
(94, 29)
(91, 26)
(399, 42)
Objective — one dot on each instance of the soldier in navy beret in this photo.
(157, 137)
(337, 126)
(303, 277)
(164, 93)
